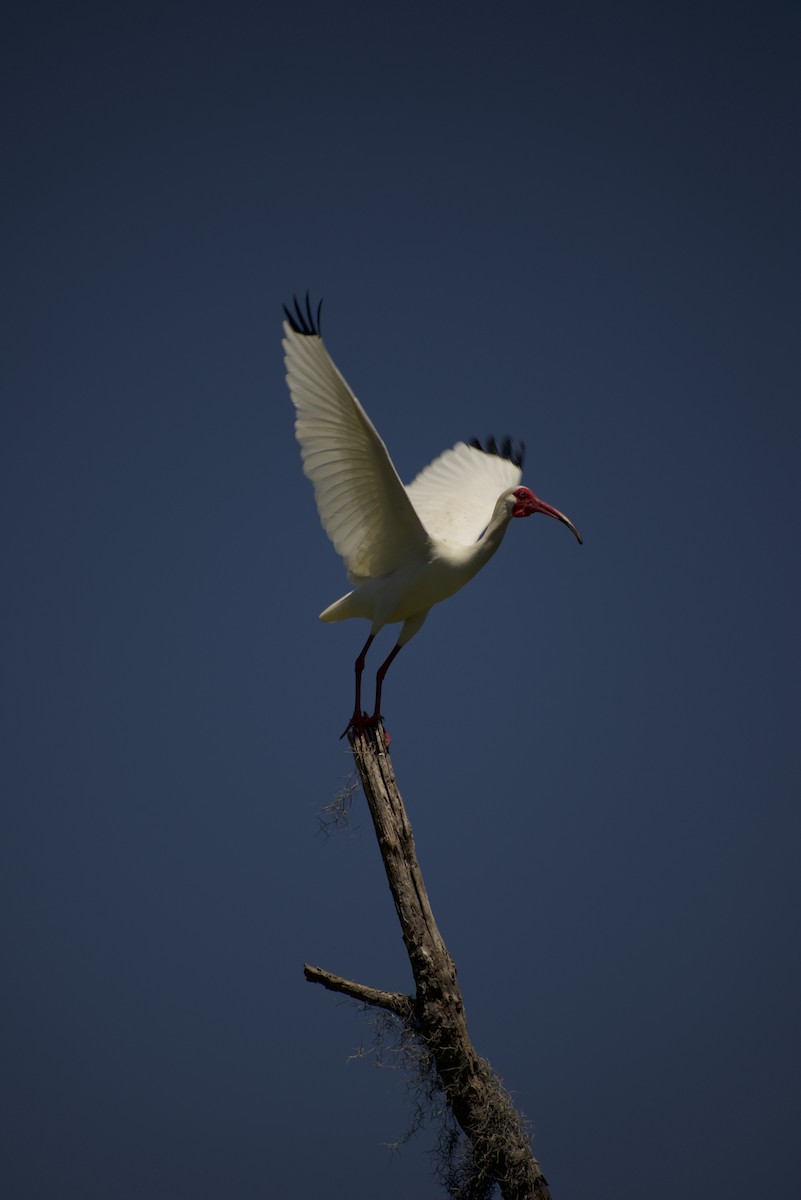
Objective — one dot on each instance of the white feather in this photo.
(455, 495)
(362, 503)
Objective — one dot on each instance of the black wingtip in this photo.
(307, 323)
(514, 451)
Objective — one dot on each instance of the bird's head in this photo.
(524, 503)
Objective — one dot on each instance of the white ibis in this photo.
(404, 548)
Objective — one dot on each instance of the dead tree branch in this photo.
(500, 1151)
(394, 1002)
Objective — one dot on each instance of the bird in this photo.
(405, 549)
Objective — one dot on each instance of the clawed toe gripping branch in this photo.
(498, 1147)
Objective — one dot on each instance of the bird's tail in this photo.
(343, 608)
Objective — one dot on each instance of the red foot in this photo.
(360, 721)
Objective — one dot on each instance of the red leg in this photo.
(379, 679)
(358, 719)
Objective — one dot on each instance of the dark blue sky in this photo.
(577, 223)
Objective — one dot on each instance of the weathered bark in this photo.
(496, 1133)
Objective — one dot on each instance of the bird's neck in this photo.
(493, 534)
(482, 550)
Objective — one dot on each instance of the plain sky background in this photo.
(577, 223)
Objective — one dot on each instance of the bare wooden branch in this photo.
(500, 1147)
(395, 1002)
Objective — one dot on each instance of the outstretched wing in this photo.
(362, 503)
(456, 495)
